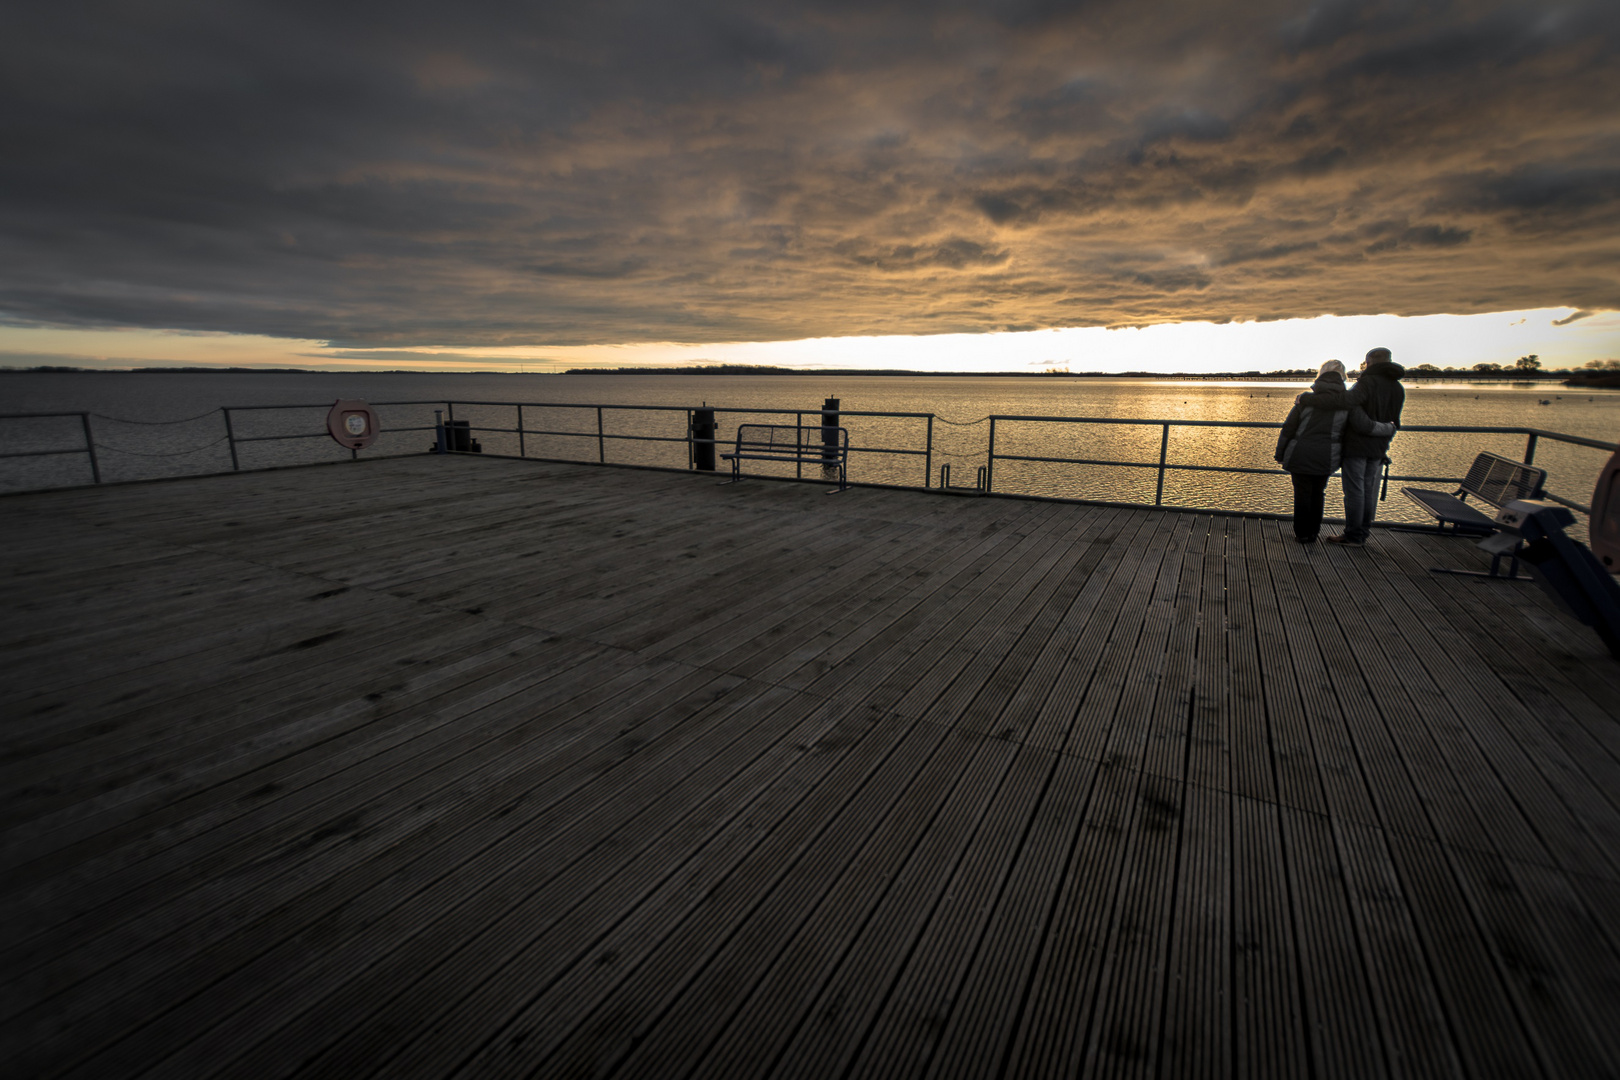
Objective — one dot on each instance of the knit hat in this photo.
(1331, 367)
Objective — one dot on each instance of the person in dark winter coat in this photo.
(1310, 446)
(1379, 392)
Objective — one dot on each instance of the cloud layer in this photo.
(486, 173)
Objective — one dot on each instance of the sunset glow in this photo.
(969, 187)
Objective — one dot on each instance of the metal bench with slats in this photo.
(804, 445)
(1493, 480)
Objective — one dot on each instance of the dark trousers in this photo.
(1308, 491)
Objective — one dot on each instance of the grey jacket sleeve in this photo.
(1362, 424)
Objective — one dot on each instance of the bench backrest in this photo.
(788, 439)
(1499, 480)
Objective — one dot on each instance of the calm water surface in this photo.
(134, 444)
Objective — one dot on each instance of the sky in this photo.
(1001, 185)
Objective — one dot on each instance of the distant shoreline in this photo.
(1573, 378)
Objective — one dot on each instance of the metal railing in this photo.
(1164, 465)
(603, 437)
(998, 424)
(89, 447)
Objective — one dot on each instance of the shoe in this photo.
(1306, 539)
(1343, 538)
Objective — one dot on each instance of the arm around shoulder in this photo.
(1362, 424)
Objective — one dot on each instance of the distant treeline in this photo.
(1423, 371)
(54, 368)
(763, 369)
(209, 370)
(1593, 378)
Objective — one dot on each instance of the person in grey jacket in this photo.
(1378, 390)
(1311, 444)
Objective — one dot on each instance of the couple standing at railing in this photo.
(1332, 428)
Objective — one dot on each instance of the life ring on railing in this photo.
(353, 424)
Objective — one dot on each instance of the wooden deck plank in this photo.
(1528, 966)
(339, 834)
(1209, 721)
(119, 751)
(1418, 1039)
(1568, 691)
(1023, 659)
(831, 1029)
(1344, 786)
(532, 905)
(364, 714)
(1145, 650)
(977, 1035)
(883, 785)
(1346, 642)
(1169, 719)
(1200, 1007)
(731, 775)
(1248, 740)
(1089, 729)
(1126, 1029)
(749, 953)
(1490, 1036)
(1340, 1011)
(1042, 709)
(1269, 1037)
(960, 668)
(882, 624)
(1550, 784)
(1062, 991)
(1293, 763)
(1476, 739)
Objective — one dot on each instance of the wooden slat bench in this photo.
(1493, 480)
(801, 445)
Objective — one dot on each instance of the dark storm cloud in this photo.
(393, 174)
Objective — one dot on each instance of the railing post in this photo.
(90, 447)
(230, 439)
(928, 454)
(1530, 450)
(990, 459)
(521, 451)
(798, 436)
(601, 441)
(689, 447)
(1164, 450)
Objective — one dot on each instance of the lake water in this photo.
(157, 424)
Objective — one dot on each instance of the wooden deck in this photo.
(434, 767)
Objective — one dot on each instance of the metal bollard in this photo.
(829, 432)
(702, 437)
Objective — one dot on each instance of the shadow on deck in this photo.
(436, 767)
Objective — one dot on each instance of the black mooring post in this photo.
(829, 432)
(702, 440)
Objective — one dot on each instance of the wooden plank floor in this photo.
(473, 767)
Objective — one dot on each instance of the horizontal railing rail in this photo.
(1163, 465)
(603, 436)
(998, 424)
(89, 447)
